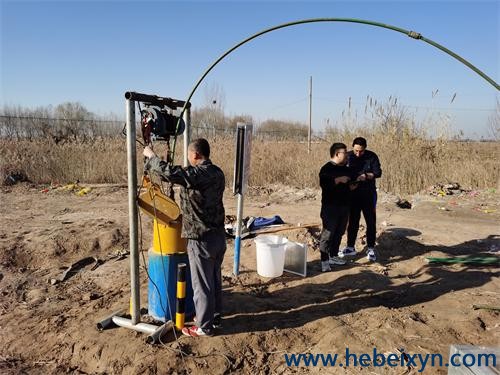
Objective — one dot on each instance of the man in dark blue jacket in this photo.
(366, 167)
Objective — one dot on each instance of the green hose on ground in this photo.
(486, 307)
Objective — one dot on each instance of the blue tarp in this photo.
(260, 222)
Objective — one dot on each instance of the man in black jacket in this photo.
(334, 178)
(366, 168)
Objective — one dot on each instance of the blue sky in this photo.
(94, 51)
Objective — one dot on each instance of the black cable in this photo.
(125, 134)
(144, 259)
(164, 275)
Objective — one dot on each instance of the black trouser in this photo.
(334, 220)
(363, 201)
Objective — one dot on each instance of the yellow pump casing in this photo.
(167, 219)
(167, 238)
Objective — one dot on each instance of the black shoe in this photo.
(217, 323)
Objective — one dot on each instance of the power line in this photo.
(288, 104)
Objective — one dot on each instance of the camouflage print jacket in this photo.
(202, 188)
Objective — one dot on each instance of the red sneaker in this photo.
(194, 331)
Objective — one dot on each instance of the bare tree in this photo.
(391, 117)
(280, 129)
(212, 114)
(215, 97)
(494, 123)
(25, 123)
(9, 125)
(74, 121)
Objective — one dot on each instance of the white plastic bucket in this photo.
(270, 255)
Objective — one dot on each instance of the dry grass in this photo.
(409, 163)
(44, 162)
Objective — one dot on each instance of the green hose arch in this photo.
(411, 34)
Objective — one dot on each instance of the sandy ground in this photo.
(397, 302)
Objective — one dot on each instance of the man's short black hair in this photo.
(201, 146)
(335, 147)
(359, 141)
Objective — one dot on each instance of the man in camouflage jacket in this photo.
(202, 187)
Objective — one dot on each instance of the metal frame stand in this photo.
(241, 172)
(117, 319)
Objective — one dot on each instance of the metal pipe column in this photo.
(310, 115)
(132, 210)
(186, 116)
(237, 239)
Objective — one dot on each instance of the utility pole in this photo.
(310, 115)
